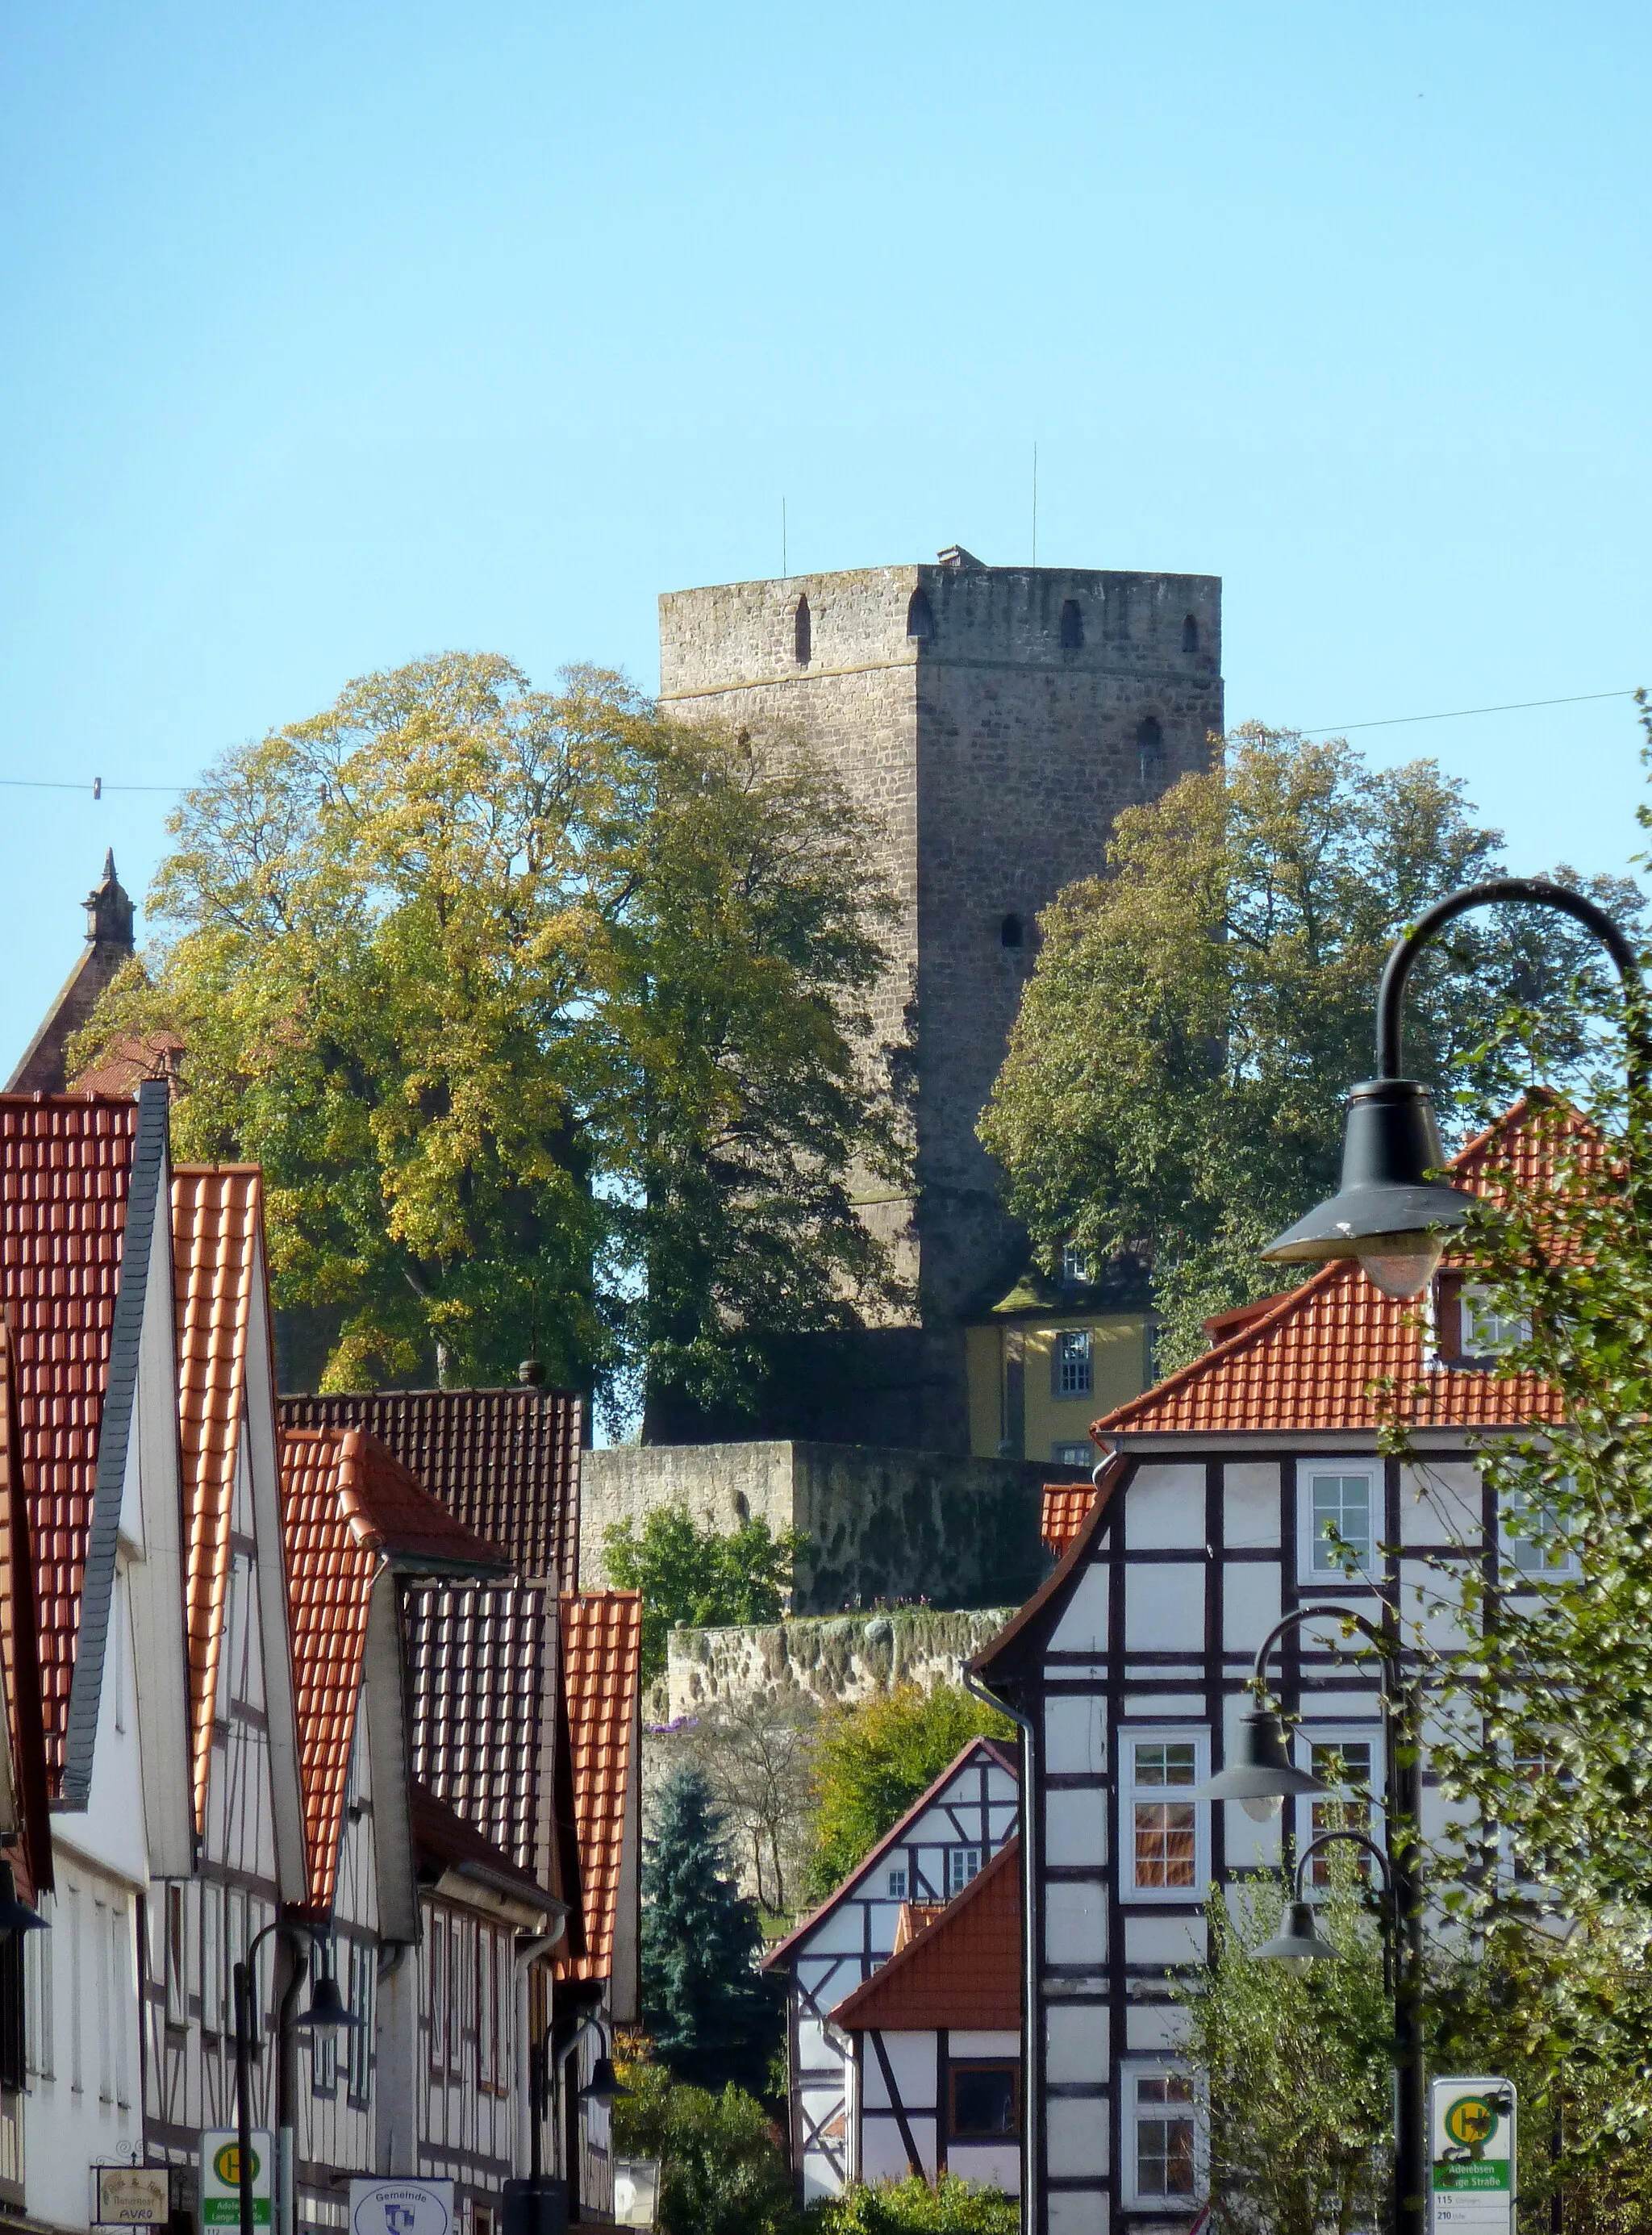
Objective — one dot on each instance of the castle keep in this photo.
(996, 718)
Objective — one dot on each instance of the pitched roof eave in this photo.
(876, 2003)
(1008, 1658)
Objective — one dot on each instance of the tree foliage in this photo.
(912, 2207)
(722, 2170)
(1175, 1082)
(757, 1753)
(696, 1574)
(540, 1013)
(876, 1757)
(713, 2017)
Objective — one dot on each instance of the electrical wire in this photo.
(1458, 713)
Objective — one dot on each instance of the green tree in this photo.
(912, 2207)
(1295, 2072)
(713, 2017)
(1174, 1083)
(701, 1576)
(540, 1013)
(875, 1758)
(722, 2170)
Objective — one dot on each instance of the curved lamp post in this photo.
(1261, 1777)
(327, 2009)
(1297, 1943)
(1389, 1213)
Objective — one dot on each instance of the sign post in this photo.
(1472, 2152)
(221, 2178)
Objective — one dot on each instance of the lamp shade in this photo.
(1387, 1212)
(15, 1915)
(604, 2086)
(1261, 1769)
(327, 2006)
(1298, 1940)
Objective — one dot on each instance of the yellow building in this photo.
(1048, 1360)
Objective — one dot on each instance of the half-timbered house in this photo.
(86, 1279)
(942, 1842)
(1240, 1488)
(935, 2035)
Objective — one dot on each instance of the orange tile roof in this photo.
(334, 1558)
(481, 1693)
(915, 1917)
(601, 1676)
(217, 1223)
(505, 1462)
(65, 1175)
(1066, 1505)
(964, 1971)
(1312, 1361)
(19, 1653)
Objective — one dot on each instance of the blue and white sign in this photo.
(401, 2207)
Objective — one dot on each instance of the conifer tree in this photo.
(713, 2018)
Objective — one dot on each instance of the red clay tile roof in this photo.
(601, 1676)
(442, 1841)
(126, 1063)
(1310, 1361)
(1066, 1505)
(481, 1693)
(505, 1462)
(1004, 1756)
(217, 1223)
(346, 1506)
(915, 1917)
(964, 1971)
(65, 1175)
(19, 1654)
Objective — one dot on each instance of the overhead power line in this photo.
(1458, 713)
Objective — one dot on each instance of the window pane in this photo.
(962, 1864)
(1073, 1377)
(1164, 2157)
(1341, 1504)
(897, 1885)
(1532, 1534)
(1170, 1763)
(1164, 1842)
(984, 2101)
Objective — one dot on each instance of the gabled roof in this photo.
(601, 1678)
(973, 1750)
(333, 1563)
(444, 1843)
(108, 947)
(67, 1164)
(1312, 1361)
(216, 1231)
(963, 1971)
(393, 1513)
(504, 1462)
(482, 1685)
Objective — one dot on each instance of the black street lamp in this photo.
(327, 2009)
(1389, 1212)
(1261, 1778)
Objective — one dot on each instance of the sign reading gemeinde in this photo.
(1471, 2176)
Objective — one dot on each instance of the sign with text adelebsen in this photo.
(221, 2178)
(1471, 2174)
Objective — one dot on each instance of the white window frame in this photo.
(1073, 1454)
(1130, 1738)
(894, 1892)
(1059, 1339)
(958, 1875)
(1310, 1735)
(1131, 2113)
(1076, 1269)
(1332, 1580)
(1511, 1575)
(1473, 1309)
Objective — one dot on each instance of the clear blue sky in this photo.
(334, 334)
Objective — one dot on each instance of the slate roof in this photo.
(66, 1167)
(1004, 1756)
(481, 1690)
(217, 1226)
(442, 1841)
(602, 1677)
(963, 1971)
(1311, 1361)
(505, 1462)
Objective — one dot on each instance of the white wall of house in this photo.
(920, 2105)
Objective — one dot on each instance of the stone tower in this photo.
(996, 718)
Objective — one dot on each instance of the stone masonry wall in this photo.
(881, 1524)
(831, 1662)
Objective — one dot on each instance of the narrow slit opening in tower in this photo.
(1190, 634)
(802, 634)
(1011, 932)
(921, 621)
(1071, 627)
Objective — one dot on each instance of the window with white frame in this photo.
(1075, 1265)
(177, 1957)
(897, 1885)
(1488, 1330)
(1072, 1371)
(1163, 1836)
(1161, 2137)
(359, 2050)
(1339, 1519)
(1350, 1761)
(1073, 1454)
(962, 1864)
(1535, 1543)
